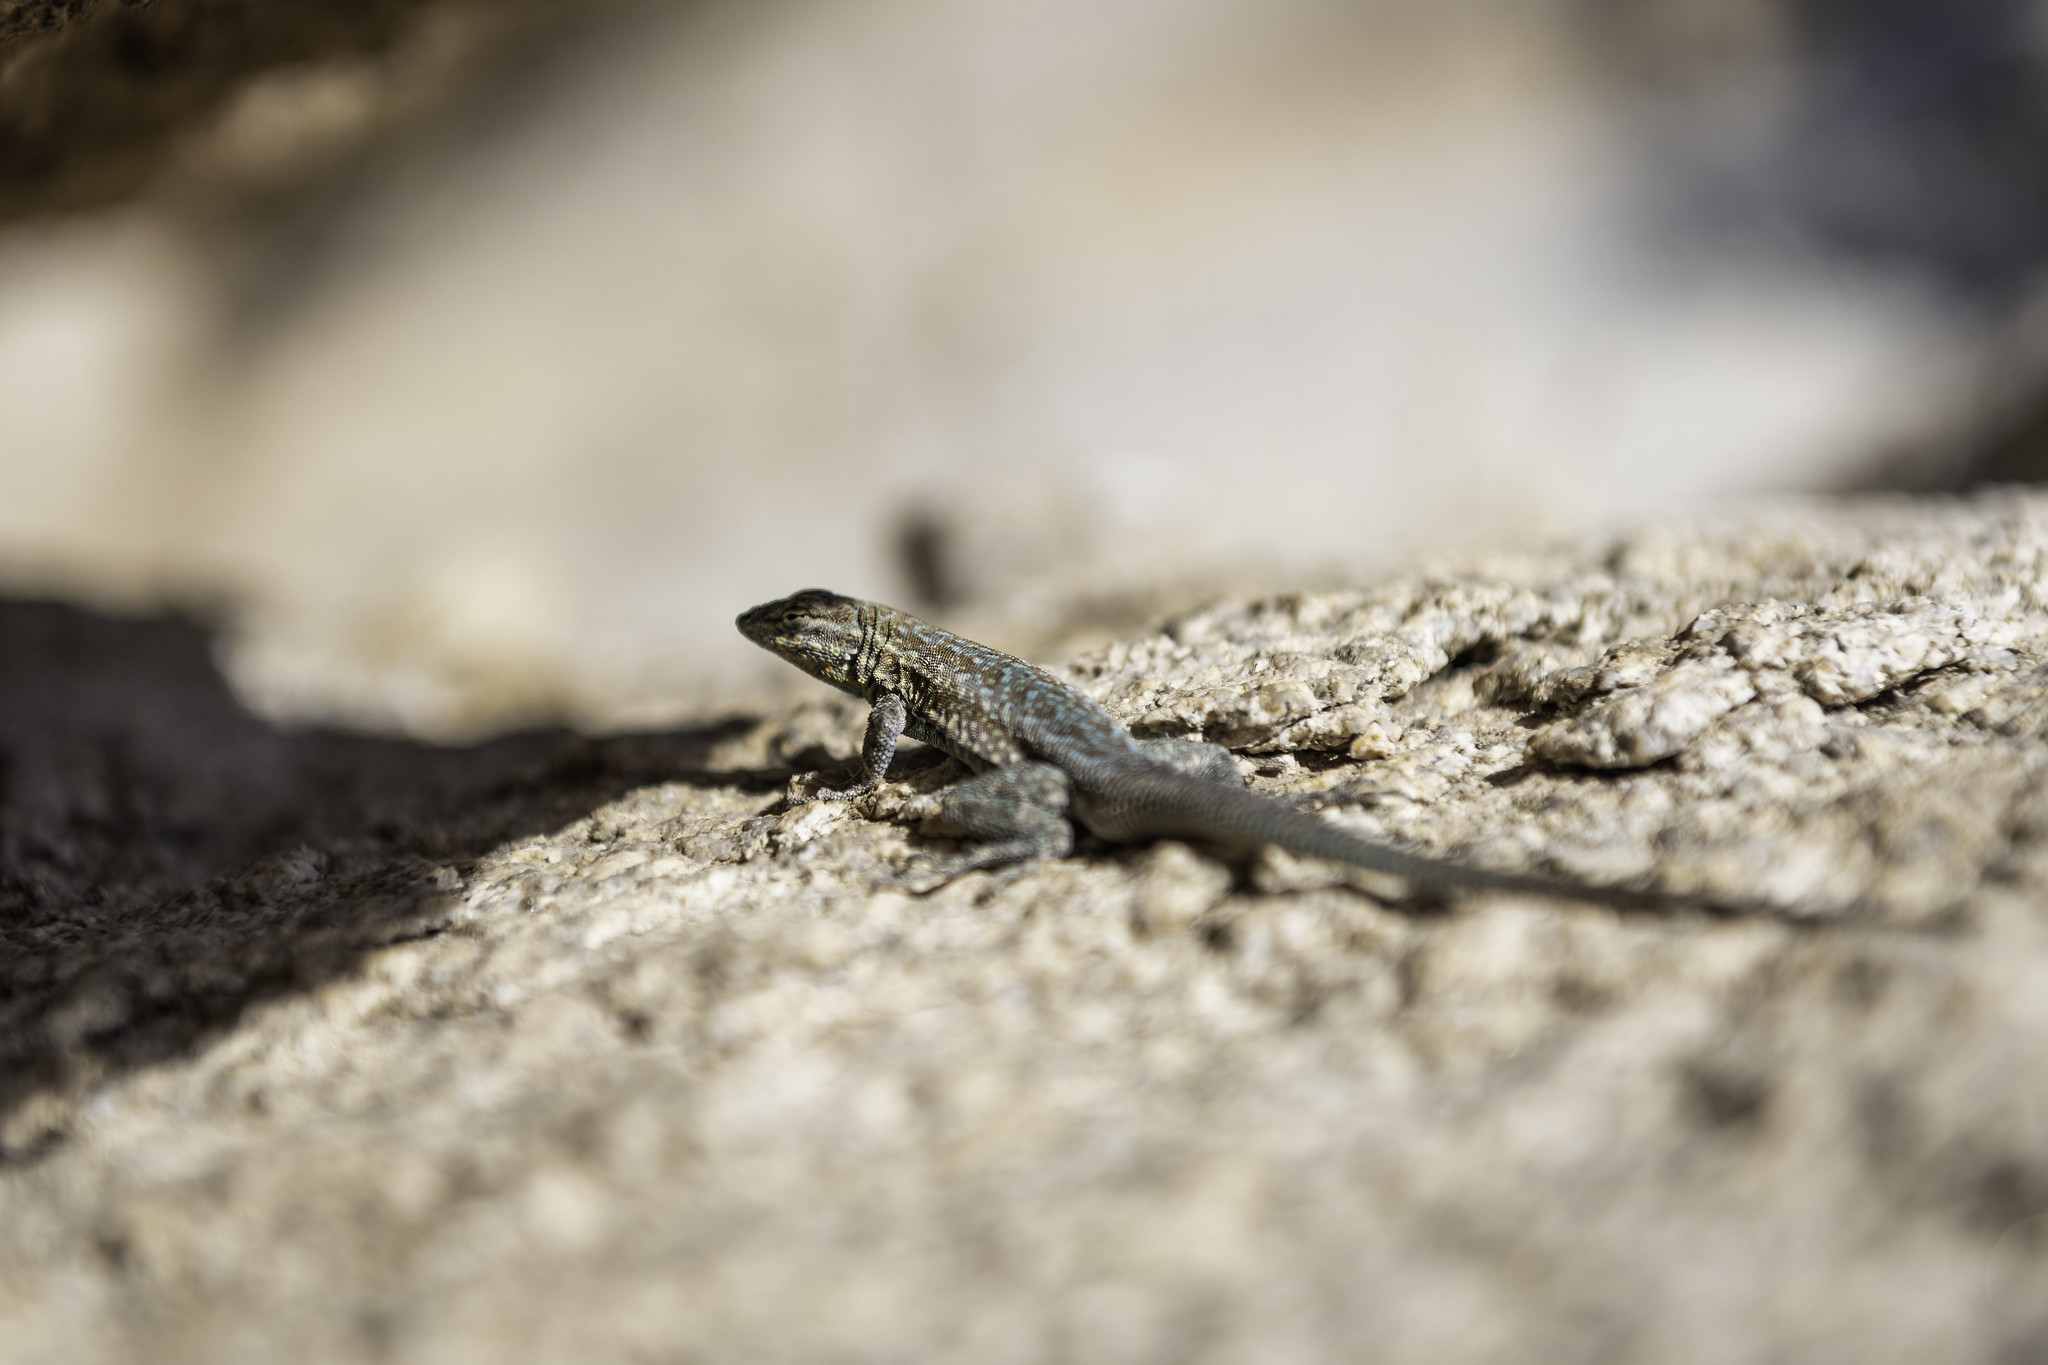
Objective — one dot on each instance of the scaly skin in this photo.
(1043, 753)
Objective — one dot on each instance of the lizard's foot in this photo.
(1353, 793)
(842, 793)
(923, 878)
(929, 874)
(853, 793)
(930, 877)
(1019, 814)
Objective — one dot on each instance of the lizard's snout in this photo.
(758, 623)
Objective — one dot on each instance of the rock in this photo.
(106, 102)
(566, 1047)
(1643, 724)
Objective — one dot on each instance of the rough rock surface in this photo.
(559, 1048)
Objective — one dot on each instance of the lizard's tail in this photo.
(1161, 802)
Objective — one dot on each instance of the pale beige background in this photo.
(1128, 301)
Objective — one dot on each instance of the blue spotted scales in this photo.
(1044, 755)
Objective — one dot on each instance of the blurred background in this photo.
(472, 362)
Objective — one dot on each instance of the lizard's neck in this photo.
(875, 665)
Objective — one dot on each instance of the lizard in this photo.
(1044, 755)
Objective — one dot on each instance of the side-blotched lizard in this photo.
(1044, 754)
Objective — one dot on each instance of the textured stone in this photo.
(1642, 724)
(596, 1050)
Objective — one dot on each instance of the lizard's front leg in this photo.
(885, 726)
(1019, 814)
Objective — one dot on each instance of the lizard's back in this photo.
(991, 709)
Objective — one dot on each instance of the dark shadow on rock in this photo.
(167, 858)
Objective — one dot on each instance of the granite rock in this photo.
(595, 1047)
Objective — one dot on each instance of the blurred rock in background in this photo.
(1911, 137)
(475, 364)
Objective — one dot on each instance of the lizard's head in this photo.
(818, 631)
